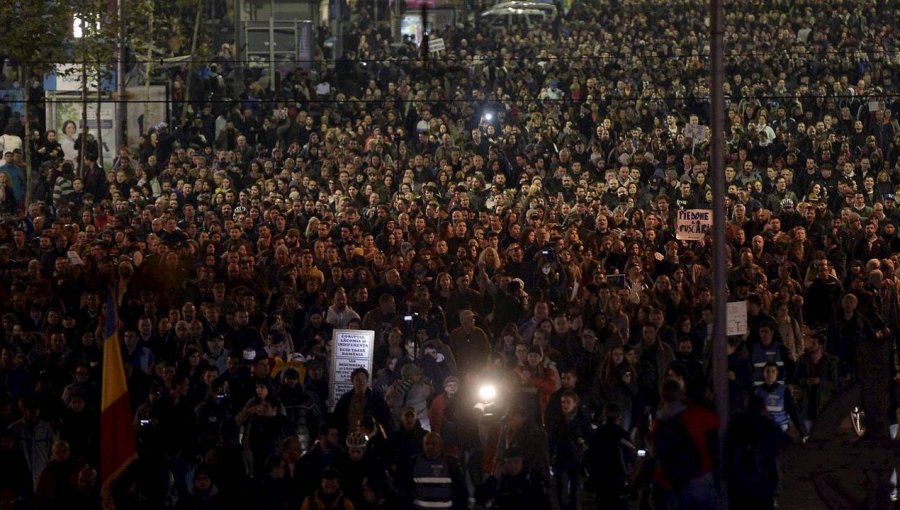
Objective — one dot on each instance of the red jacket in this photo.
(699, 422)
(544, 382)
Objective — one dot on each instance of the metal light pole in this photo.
(121, 106)
(717, 165)
(337, 48)
(424, 35)
(272, 49)
(78, 33)
(397, 21)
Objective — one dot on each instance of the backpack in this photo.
(676, 452)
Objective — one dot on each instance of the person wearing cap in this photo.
(514, 486)
(889, 234)
(890, 208)
(469, 343)
(433, 479)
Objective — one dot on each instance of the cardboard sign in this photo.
(692, 224)
(350, 349)
(736, 318)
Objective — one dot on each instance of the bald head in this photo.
(433, 445)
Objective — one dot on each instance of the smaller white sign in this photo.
(736, 318)
(692, 224)
(436, 45)
(695, 132)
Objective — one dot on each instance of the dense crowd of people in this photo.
(500, 214)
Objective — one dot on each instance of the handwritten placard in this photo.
(692, 224)
(736, 318)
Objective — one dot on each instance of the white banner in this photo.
(350, 349)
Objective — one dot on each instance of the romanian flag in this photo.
(117, 445)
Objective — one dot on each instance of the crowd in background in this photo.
(501, 213)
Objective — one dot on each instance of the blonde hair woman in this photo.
(312, 227)
(489, 259)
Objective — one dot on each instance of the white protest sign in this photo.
(695, 132)
(350, 349)
(736, 318)
(692, 224)
(436, 45)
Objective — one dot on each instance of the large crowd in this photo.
(500, 214)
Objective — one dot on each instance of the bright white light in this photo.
(78, 27)
(488, 116)
(77, 31)
(487, 392)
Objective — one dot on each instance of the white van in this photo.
(548, 8)
(513, 17)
